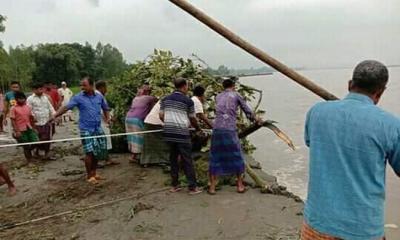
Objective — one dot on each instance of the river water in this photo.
(287, 102)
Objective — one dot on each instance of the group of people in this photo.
(29, 119)
(351, 141)
(178, 117)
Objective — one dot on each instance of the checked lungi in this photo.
(96, 146)
(307, 233)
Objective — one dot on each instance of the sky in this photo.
(301, 33)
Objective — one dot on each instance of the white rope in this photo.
(78, 138)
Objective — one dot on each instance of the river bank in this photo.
(56, 186)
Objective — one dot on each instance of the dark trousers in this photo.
(184, 150)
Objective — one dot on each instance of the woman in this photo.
(140, 107)
(226, 156)
(155, 149)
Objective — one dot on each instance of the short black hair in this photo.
(89, 79)
(199, 91)
(19, 95)
(101, 84)
(370, 76)
(36, 85)
(180, 82)
(15, 82)
(228, 83)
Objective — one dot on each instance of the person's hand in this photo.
(52, 118)
(259, 121)
(17, 134)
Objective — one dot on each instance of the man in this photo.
(66, 95)
(23, 124)
(10, 99)
(90, 105)
(51, 91)
(101, 88)
(350, 142)
(5, 179)
(200, 140)
(226, 157)
(177, 113)
(199, 99)
(42, 110)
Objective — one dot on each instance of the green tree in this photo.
(57, 63)
(109, 61)
(22, 63)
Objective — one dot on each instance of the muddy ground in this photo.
(56, 186)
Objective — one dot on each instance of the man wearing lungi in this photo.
(90, 105)
(226, 157)
(42, 111)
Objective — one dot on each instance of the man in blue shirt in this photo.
(90, 105)
(351, 141)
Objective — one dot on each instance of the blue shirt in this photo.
(90, 107)
(177, 109)
(350, 141)
(10, 98)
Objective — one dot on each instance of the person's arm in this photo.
(106, 110)
(72, 103)
(204, 119)
(394, 156)
(192, 116)
(247, 110)
(6, 111)
(161, 113)
(51, 108)
(306, 129)
(14, 124)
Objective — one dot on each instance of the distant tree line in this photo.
(223, 70)
(57, 62)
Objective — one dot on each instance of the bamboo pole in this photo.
(251, 49)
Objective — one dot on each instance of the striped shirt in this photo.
(177, 109)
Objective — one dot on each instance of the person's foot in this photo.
(12, 191)
(241, 188)
(111, 163)
(175, 189)
(211, 192)
(144, 166)
(47, 157)
(98, 177)
(92, 180)
(195, 191)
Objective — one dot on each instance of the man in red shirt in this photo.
(51, 91)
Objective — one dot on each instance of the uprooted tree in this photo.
(159, 70)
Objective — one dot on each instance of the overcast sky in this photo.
(310, 33)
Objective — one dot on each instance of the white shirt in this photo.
(42, 109)
(198, 106)
(66, 93)
(153, 117)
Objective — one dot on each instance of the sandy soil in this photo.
(44, 190)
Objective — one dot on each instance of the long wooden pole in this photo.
(256, 52)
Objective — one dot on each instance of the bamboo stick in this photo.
(251, 49)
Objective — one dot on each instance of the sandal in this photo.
(92, 180)
(175, 189)
(98, 177)
(195, 191)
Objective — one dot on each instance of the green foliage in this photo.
(159, 70)
(22, 64)
(59, 62)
